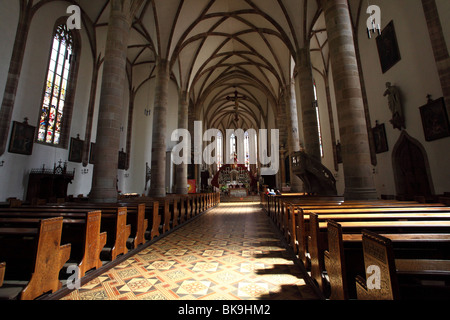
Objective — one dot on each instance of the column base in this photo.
(157, 193)
(103, 196)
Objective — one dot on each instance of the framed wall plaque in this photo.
(388, 50)
(22, 138)
(122, 160)
(380, 139)
(435, 120)
(76, 150)
(92, 153)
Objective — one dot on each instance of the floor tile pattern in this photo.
(229, 253)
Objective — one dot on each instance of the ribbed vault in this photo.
(215, 47)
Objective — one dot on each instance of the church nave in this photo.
(232, 252)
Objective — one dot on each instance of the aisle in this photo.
(230, 253)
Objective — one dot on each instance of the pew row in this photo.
(40, 248)
(407, 223)
(400, 278)
(298, 228)
(344, 257)
(317, 240)
(84, 234)
(115, 223)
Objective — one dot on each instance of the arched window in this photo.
(55, 114)
(219, 150)
(233, 154)
(247, 150)
(316, 103)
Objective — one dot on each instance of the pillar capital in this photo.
(126, 8)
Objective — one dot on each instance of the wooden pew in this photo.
(317, 239)
(84, 235)
(119, 233)
(156, 221)
(114, 223)
(45, 264)
(344, 257)
(290, 209)
(136, 216)
(278, 202)
(141, 226)
(298, 228)
(74, 213)
(93, 244)
(378, 251)
(135, 212)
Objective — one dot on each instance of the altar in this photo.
(238, 192)
(234, 180)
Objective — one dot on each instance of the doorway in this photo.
(411, 169)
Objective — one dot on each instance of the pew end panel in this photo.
(141, 226)
(335, 262)
(94, 242)
(50, 259)
(315, 247)
(156, 221)
(123, 232)
(378, 252)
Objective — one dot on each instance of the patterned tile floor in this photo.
(230, 253)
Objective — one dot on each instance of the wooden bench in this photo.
(118, 233)
(344, 257)
(317, 239)
(83, 233)
(93, 244)
(378, 251)
(111, 228)
(113, 222)
(297, 231)
(136, 215)
(348, 207)
(45, 258)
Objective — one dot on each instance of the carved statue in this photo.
(395, 105)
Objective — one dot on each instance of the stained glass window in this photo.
(55, 95)
(219, 150)
(247, 150)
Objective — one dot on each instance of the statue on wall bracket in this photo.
(395, 105)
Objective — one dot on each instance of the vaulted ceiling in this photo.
(218, 47)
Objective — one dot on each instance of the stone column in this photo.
(104, 182)
(293, 134)
(15, 69)
(439, 45)
(182, 169)
(308, 101)
(158, 183)
(359, 182)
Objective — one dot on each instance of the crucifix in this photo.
(236, 100)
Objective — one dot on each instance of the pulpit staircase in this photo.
(317, 179)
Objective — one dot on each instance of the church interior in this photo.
(224, 150)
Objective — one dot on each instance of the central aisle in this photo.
(230, 253)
